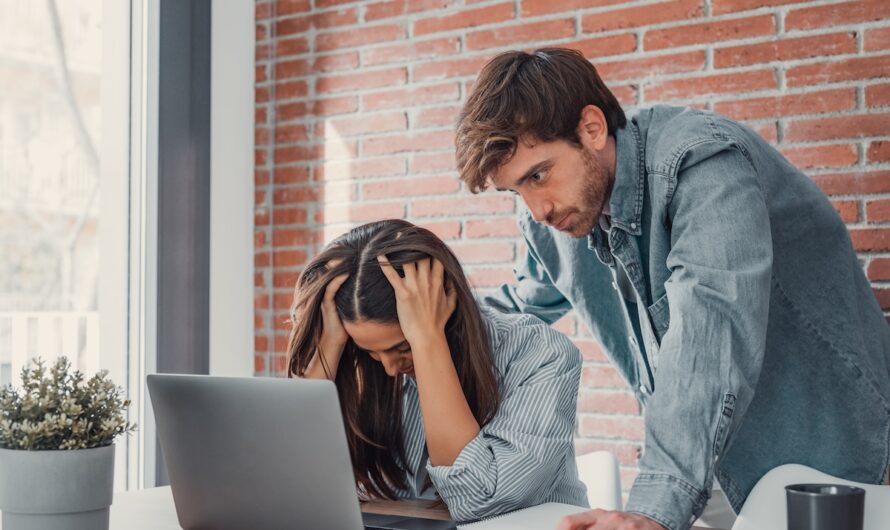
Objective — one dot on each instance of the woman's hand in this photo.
(422, 303)
(333, 335)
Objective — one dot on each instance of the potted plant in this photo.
(56, 448)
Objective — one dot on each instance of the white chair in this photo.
(599, 472)
(765, 507)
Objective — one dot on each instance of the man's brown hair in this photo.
(519, 95)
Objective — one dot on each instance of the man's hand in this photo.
(607, 520)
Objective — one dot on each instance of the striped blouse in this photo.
(525, 455)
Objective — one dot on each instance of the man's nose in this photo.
(540, 208)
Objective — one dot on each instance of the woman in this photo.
(439, 396)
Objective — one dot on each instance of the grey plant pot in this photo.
(56, 490)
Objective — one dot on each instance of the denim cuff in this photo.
(666, 499)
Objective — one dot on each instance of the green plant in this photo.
(56, 409)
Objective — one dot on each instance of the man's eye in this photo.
(537, 176)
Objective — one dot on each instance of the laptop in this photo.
(260, 453)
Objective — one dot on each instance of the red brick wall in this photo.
(356, 101)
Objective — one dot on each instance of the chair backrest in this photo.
(599, 472)
(765, 507)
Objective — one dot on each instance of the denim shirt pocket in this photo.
(660, 315)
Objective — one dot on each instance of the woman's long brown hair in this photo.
(370, 400)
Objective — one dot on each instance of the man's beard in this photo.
(595, 189)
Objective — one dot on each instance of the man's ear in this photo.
(593, 130)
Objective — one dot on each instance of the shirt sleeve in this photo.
(533, 293)
(518, 458)
(710, 357)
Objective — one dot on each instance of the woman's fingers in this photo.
(332, 288)
(390, 272)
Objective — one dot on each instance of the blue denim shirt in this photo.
(750, 334)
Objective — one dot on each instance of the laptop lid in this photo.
(255, 452)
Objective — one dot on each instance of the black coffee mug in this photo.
(824, 507)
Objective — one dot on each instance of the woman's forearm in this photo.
(447, 418)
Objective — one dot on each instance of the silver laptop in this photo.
(260, 453)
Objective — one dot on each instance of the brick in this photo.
(785, 50)
(627, 95)
(468, 252)
(290, 175)
(497, 227)
(879, 152)
(490, 277)
(602, 377)
(262, 10)
(533, 8)
(603, 426)
(649, 67)
(411, 97)
(260, 136)
(362, 80)
(364, 124)
(262, 32)
(707, 32)
(297, 195)
(598, 401)
(863, 125)
(604, 46)
(285, 279)
(721, 7)
(296, 153)
(261, 344)
(331, 3)
(713, 84)
(410, 187)
(261, 95)
(261, 217)
(565, 325)
(879, 269)
(789, 104)
(290, 216)
(839, 155)
(466, 18)
(591, 350)
(289, 258)
(336, 149)
(877, 95)
(876, 39)
(362, 168)
(434, 117)
(261, 73)
(289, 7)
(365, 212)
(854, 183)
(646, 15)
(259, 363)
(524, 33)
(435, 70)
(291, 133)
(432, 163)
(837, 71)
(411, 51)
(836, 14)
(289, 237)
(302, 24)
(878, 211)
(870, 239)
(444, 230)
(294, 46)
(473, 205)
(361, 36)
(291, 89)
(848, 210)
(396, 8)
(422, 141)
(883, 297)
(260, 115)
(318, 107)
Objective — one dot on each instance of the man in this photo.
(718, 278)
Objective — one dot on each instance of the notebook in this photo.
(541, 517)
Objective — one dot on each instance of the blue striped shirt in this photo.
(525, 455)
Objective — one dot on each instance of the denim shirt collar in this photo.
(626, 200)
